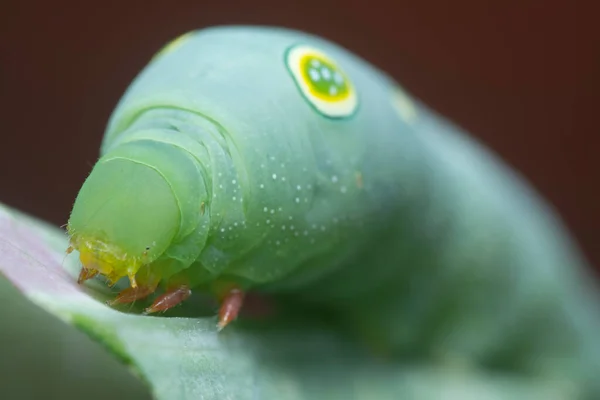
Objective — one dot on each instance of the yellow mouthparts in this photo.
(98, 257)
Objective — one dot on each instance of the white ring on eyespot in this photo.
(334, 109)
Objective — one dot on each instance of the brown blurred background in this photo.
(522, 75)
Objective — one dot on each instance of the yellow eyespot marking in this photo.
(404, 106)
(322, 82)
(173, 44)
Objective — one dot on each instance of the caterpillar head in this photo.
(125, 216)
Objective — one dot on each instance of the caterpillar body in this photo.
(265, 159)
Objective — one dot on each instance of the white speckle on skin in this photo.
(268, 221)
(291, 218)
(272, 158)
(234, 198)
(278, 243)
(220, 186)
(291, 227)
(234, 181)
(343, 189)
(283, 178)
(262, 186)
(280, 209)
(235, 224)
(297, 199)
(265, 209)
(274, 176)
(222, 229)
(272, 211)
(334, 179)
(299, 187)
(283, 227)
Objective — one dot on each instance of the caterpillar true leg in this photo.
(230, 307)
(132, 294)
(170, 299)
(85, 274)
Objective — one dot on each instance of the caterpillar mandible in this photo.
(265, 159)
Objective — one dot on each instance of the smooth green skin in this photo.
(442, 242)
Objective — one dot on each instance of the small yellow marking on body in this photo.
(404, 106)
(172, 45)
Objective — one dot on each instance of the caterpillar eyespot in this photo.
(322, 81)
(411, 233)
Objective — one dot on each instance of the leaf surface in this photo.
(186, 358)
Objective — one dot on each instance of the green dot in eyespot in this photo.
(324, 78)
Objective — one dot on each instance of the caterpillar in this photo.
(265, 159)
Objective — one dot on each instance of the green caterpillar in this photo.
(264, 159)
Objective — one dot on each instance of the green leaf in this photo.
(185, 357)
